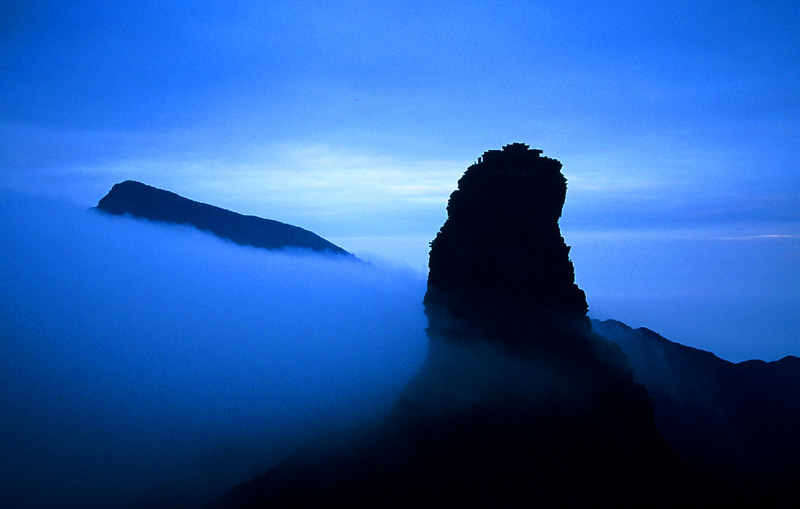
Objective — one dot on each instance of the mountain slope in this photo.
(739, 422)
(146, 202)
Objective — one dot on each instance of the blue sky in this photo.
(678, 124)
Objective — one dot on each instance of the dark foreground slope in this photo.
(518, 402)
(739, 422)
(143, 201)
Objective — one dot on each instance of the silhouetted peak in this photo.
(502, 239)
(517, 398)
(142, 201)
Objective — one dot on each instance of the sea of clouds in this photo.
(150, 365)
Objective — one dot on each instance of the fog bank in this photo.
(144, 365)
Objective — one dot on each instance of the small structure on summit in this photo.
(512, 149)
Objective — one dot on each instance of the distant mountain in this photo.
(737, 421)
(146, 202)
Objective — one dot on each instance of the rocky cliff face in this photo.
(147, 202)
(499, 261)
(501, 283)
(514, 374)
(518, 402)
(501, 239)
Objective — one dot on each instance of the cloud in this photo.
(771, 236)
(144, 364)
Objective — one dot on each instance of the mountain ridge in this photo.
(147, 202)
(738, 421)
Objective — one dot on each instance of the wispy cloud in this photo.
(771, 236)
(253, 178)
(754, 232)
(320, 177)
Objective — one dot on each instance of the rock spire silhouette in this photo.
(518, 403)
(501, 237)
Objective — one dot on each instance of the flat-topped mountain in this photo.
(147, 202)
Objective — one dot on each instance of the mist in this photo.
(143, 364)
(734, 296)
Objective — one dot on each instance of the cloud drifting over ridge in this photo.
(148, 364)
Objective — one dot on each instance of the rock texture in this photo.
(146, 202)
(518, 403)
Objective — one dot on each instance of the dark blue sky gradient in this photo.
(677, 123)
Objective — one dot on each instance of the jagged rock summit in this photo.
(500, 261)
(502, 238)
(518, 403)
(147, 202)
(535, 402)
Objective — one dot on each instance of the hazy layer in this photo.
(143, 364)
(737, 297)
